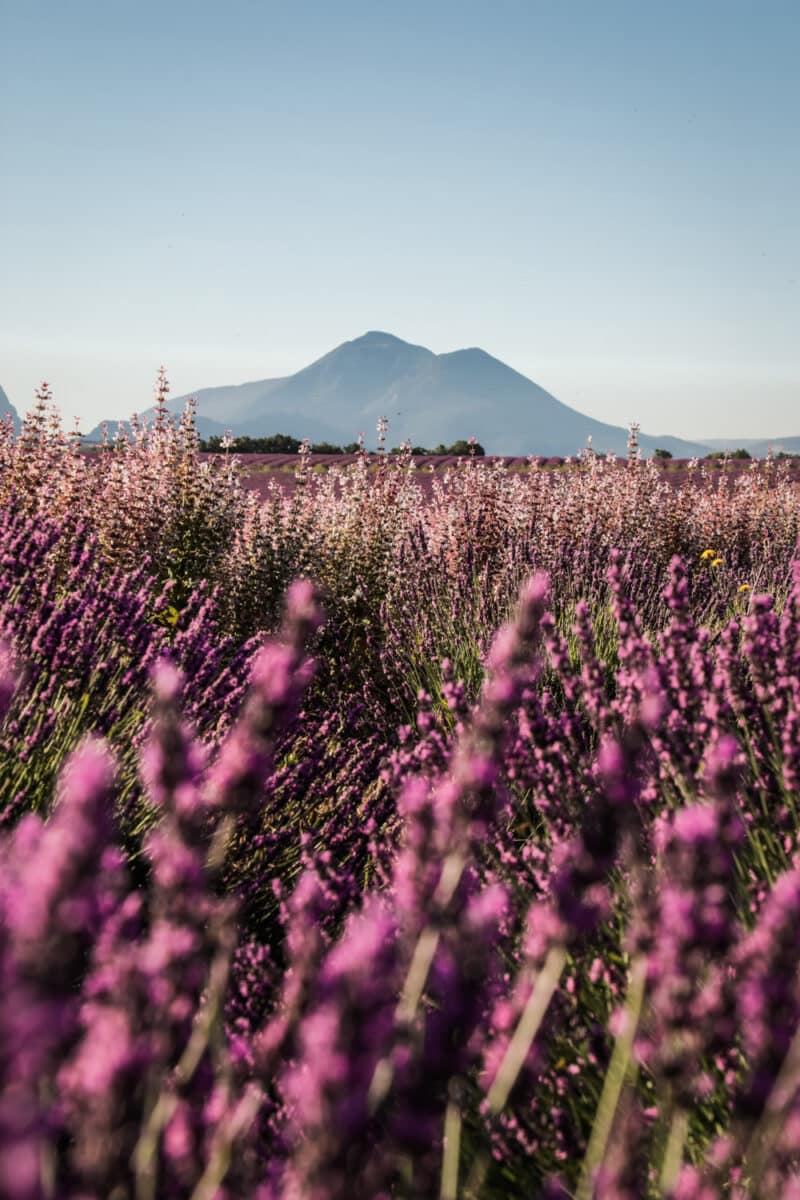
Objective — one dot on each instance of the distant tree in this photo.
(465, 447)
(661, 453)
(278, 443)
(740, 453)
(284, 443)
(212, 445)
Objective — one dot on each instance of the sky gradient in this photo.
(605, 196)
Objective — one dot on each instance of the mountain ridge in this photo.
(427, 397)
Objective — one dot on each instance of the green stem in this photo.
(772, 1119)
(613, 1082)
(242, 1118)
(517, 1051)
(418, 971)
(673, 1152)
(452, 1152)
(477, 1177)
(145, 1154)
(528, 1027)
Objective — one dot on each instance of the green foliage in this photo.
(277, 443)
(462, 446)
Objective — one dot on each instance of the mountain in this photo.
(205, 426)
(219, 409)
(7, 407)
(429, 398)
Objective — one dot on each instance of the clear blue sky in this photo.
(604, 194)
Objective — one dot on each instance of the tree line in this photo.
(284, 443)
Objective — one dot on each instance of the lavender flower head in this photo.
(52, 906)
(9, 677)
(281, 672)
(345, 1034)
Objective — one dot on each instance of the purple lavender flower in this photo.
(439, 1052)
(9, 678)
(53, 903)
(696, 929)
(342, 1039)
(281, 672)
(768, 997)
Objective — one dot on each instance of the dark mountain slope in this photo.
(7, 407)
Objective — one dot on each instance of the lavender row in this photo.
(387, 550)
(548, 944)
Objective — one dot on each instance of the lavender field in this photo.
(381, 837)
(262, 472)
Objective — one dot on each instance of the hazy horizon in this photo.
(602, 197)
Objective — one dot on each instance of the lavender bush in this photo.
(469, 870)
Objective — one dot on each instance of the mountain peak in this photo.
(380, 339)
(380, 335)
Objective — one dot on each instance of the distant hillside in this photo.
(758, 447)
(204, 425)
(7, 407)
(429, 398)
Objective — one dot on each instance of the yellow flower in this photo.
(744, 587)
(707, 554)
(717, 562)
(171, 615)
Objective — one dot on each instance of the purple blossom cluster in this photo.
(85, 635)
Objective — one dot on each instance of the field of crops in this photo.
(370, 839)
(261, 473)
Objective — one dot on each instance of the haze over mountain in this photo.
(429, 398)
